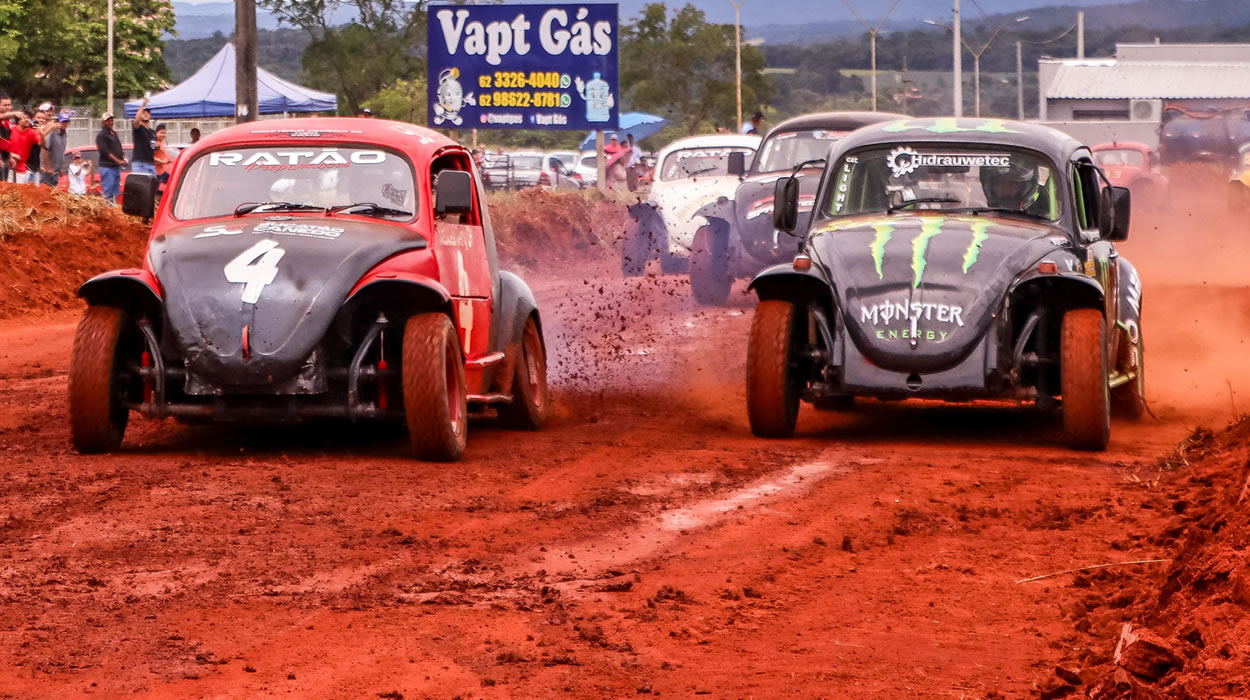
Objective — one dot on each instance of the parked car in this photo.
(738, 239)
(587, 169)
(1137, 167)
(91, 155)
(312, 268)
(690, 173)
(952, 260)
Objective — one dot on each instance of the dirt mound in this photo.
(1183, 632)
(51, 242)
(539, 229)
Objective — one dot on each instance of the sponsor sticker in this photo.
(905, 160)
(295, 159)
(280, 228)
(911, 315)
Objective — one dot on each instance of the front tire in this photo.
(435, 397)
(97, 410)
(1083, 378)
(530, 401)
(773, 384)
(709, 267)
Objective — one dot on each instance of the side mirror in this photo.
(139, 195)
(737, 163)
(1114, 212)
(786, 204)
(453, 192)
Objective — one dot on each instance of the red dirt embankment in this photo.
(52, 241)
(537, 228)
(1181, 629)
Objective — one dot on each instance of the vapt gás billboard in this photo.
(523, 66)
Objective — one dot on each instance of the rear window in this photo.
(1119, 157)
(527, 162)
(701, 162)
(785, 150)
(323, 176)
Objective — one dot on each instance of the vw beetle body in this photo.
(899, 295)
(313, 268)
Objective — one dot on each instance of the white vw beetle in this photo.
(689, 173)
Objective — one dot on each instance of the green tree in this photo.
(402, 100)
(61, 52)
(383, 43)
(682, 68)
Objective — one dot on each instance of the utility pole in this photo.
(976, 62)
(246, 99)
(1080, 35)
(1019, 84)
(959, 64)
(109, 107)
(872, 38)
(738, 56)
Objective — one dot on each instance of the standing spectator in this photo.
(195, 135)
(614, 167)
(23, 141)
(34, 160)
(6, 131)
(79, 173)
(364, 113)
(633, 159)
(753, 126)
(112, 158)
(160, 155)
(55, 161)
(144, 142)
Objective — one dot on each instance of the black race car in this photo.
(952, 259)
(739, 239)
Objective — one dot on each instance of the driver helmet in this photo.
(1011, 186)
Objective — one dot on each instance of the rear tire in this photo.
(709, 267)
(1129, 400)
(638, 246)
(97, 410)
(772, 383)
(530, 401)
(435, 397)
(1083, 376)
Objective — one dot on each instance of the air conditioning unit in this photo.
(1146, 110)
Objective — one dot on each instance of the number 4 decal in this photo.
(255, 267)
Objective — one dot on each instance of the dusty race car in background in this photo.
(688, 174)
(304, 268)
(956, 260)
(738, 238)
(1135, 166)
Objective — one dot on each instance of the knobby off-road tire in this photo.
(530, 401)
(637, 247)
(1129, 400)
(772, 384)
(435, 397)
(1083, 368)
(709, 268)
(97, 411)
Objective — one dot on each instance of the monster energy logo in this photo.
(949, 125)
(931, 228)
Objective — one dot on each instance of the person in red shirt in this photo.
(19, 144)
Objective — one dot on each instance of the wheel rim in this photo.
(454, 410)
(533, 357)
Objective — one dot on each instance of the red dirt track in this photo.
(644, 543)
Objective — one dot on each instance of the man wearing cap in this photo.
(112, 158)
(364, 113)
(144, 160)
(55, 162)
(79, 174)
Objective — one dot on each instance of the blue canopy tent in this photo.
(639, 124)
(210, 93)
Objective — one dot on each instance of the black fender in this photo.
(722, 208)
(516, 304)
(783, 282)
(648, 217)
(137, 291)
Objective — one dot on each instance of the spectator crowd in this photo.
(34, 150)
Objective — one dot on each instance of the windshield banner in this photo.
(523, 67)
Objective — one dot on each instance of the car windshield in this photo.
(703, 162)
(1121, 156)
(526, 162)
(569, 159)
(948, 178)
(218, 182)
(785, 150)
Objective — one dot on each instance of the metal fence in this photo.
(82, 130)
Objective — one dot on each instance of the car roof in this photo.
(713, 141)
(418, 142)
(1121, 145)
(1056, 144)
(833, 121)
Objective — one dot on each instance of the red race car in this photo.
(312, 268)
(1135, 166)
